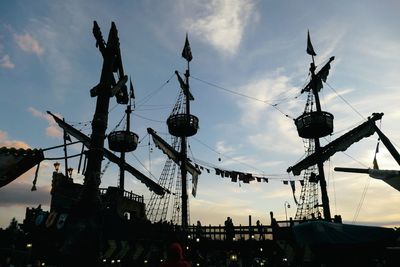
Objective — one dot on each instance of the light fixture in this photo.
(56, 166)
(70, 170)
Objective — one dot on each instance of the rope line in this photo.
(344, 100)
(245, 96)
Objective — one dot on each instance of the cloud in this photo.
(52, 130)
(15, 196)
(21, 194)
(5, 142)
(267, 90)
(28, 44)
(270, 130)
(222, 148)
(224, 23)
(5, 62)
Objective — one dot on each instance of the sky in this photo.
(249, 65)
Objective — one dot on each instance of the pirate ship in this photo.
(102, 227)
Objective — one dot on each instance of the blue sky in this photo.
(48, 61)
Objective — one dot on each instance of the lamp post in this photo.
(287, 206)
(56, 166)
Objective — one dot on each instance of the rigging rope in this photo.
(245, 96)
(245, 164)
(111, 110)
(105, 169)
(151, 94)
(148, 119)
(344, 100)
(362, 199)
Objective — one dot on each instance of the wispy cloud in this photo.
(271, 131)
(21, 194)
(52, 130)
(223, 23)
(6, 142)
(28, 43)
(5, 62)
(268, 90)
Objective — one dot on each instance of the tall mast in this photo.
(90, 195)
(128, 112)
(184, 153)
(322, 181)
(183, 125)
(312, 125)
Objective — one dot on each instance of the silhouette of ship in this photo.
(90, 226)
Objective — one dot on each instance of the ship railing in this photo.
(240, 232)
(288, 223)
(126, 194)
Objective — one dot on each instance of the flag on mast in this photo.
(132, 94)
(187, 52)
(310, 49)
(375, 161)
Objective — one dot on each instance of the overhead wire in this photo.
(154, 92)
(145, 118)
(244, 95)
(233, 159)
(344, 100)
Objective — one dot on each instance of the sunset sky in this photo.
(249, 65)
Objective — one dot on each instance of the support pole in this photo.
(90, 199)
(320, 164)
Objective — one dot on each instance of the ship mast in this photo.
(184, 125)
(183, 155)
(322, 180)
(112, 61)
(128, 112)
(313, 125)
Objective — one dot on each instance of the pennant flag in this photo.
(375, 162)
(195, 179)
(310, 49)
(187, 52)
(36, 176)
(132, 94)
(292, 185)
(184, 86)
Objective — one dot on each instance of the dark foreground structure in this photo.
(90, 226)
(44, 240)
